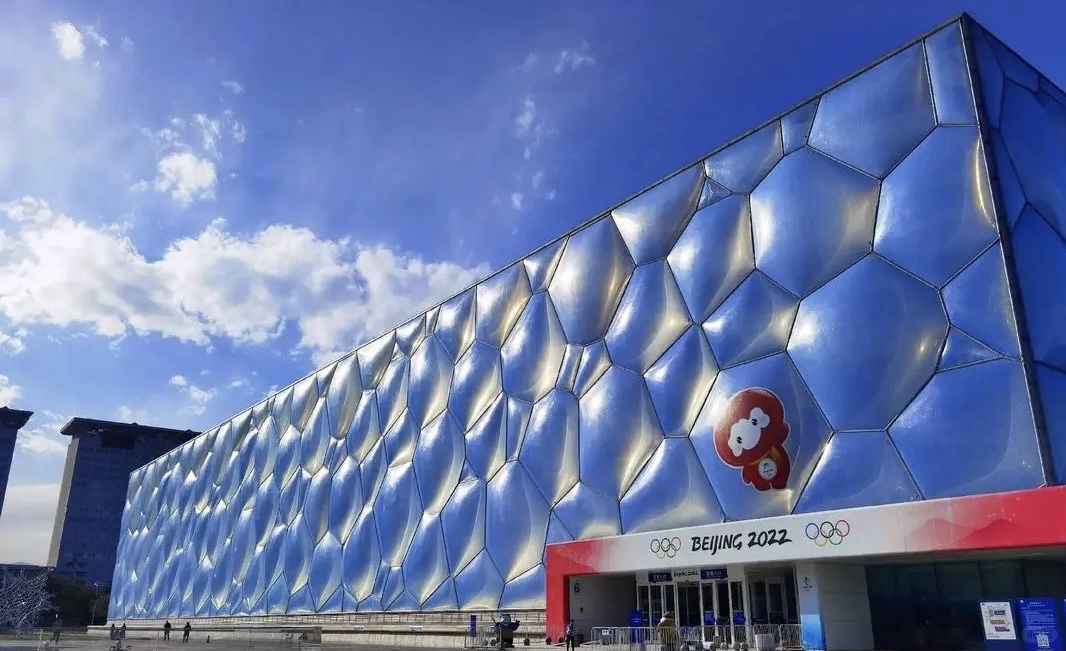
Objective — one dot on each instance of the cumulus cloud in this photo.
(57, 270)
(26, 523)
(41, 435)
(13, 343)
(186, 177)
(188, 150)
(69, 41)
(573, 60)
(197, 396)
(234, 87)
(9, 391)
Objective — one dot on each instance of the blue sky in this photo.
(200, 201)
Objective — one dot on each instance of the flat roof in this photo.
(16, 418)
(77, 426)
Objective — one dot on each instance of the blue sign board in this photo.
(708, 618)
(713, 574)
(1039, 623)
(636, 618)
(660, 577)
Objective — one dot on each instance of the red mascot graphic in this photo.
(751, 434)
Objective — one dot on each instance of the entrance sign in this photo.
(686, 575)
(998, 620)
(659, 577)
(1039, 622)
(714, 574)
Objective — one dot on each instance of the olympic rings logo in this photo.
(666, 547)
(828, 533)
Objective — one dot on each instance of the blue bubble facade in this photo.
(886, 259)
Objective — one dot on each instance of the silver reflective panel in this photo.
(819, 315)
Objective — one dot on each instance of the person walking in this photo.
(667, 632)
(166, 631)
(570, 635)
(57, 629)
(185, 630)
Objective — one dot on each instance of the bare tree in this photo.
(24, 597)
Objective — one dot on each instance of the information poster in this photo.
(998, 620)
(1039, 623)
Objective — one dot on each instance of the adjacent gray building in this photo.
(100, 458)
(11, 421)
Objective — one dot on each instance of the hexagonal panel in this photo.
(568, 370)
(871, 121)
(593, 364)
(711, 192)
(987, 406)
(550, 447)
(650, 317)
(991, 77)
(713, 255)
(804, 434)
(796, 125)
(950, 77)
(500, 300)
(345, 500)
(304, 398)
(1041, 267)
(867, 342)
(936, 212)
(365, 430)
(296, 554)
(767, 313)
(410, 334)
(443, 598)
(979, 301)
(372, 471)
(589, 280)
(1011, 197)
(533, 351)
(479, 585)
(324, 576)
(392, 392)
(439, 459)
(518, 413)
(477, 383)
(397, 510)
(678, 383)
(650, 222)
(616, 414)
(832, 205)
(361, 558)
(857, 469)
(315, 505)
(526, 591)
(401, 439)
(455, 323)
(540, 265)
(463, 522)
(426, 565)
(671, 491)
(431, 378)
(486, 442)
(588, 513)
(742, 164)
(516, 522)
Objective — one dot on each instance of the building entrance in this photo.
(773, 597)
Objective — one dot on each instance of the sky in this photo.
(200, 202)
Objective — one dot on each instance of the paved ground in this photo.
(133, 644)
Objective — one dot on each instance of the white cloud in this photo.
(234, 87)
(573, 60)
(60, 271)
(9, 391)
(186, 177)
(179, 381)
(239, 383)
(13, 343)
(41, 435)
(526, 120)
(516, 200)
(26, 524)
(99, 39)
(68, 40)
(198, 397)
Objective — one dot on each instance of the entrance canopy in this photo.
(1011, 520)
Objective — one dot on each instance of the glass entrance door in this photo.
(689, 613)
(773, 599)
(655, 599)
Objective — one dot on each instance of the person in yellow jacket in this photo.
(666, 631)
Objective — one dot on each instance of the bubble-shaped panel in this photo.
(516, 521)
(832, 205)
(426, 565)
(410, 335)
(455, 323)
(857, 469)
(526, 591)
(540, 265)
(617, 414)
(479, 585)
(987, 406)
(713, 255)
(650, 317)
(343, 396)
(500, 299)
(463, 522)
(803, 438)
(392, 392)
(324, 576)
(365, 430)
(961, 349)
(593, 364)
(589, 280)
(431, 377)
(936, 211)
(767, 312)
(1041, 267)
(672, 491)
(401, 439)
(315, 507)
(711, 192)
(742, 164)
(678, 383)
(650, 222)
(950, 76)
(397, 510)
(550, 448)
(588, 513)
(796, 125)
(533, 351)
(991, 77)
(486, 442)
(438, 461)
(1052, 385)
(443, 598)
(871, 121)
(867, 342)
(315, 439)
(346, 499)
(979, 302)
(361, 557)
(477, 383)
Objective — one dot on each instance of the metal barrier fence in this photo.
(81, 639)
(761, 637)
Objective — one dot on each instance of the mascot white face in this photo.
(745, 433)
